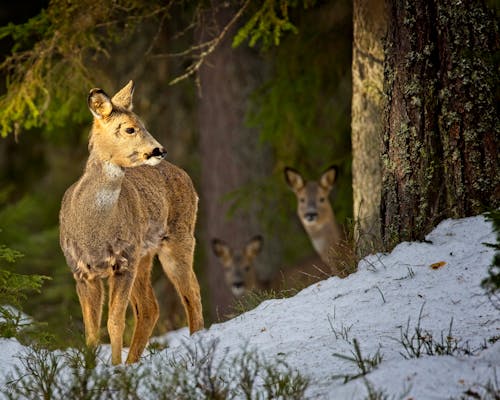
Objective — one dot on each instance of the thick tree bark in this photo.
(230, 154)
(440, 147)
(370, 24)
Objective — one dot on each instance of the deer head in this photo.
(313, 207)
(118, 135)
(239, 271)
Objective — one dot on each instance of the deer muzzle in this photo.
(155, 156)
(310, 216)
(238, 288)
(158, 153)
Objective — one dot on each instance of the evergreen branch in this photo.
(56, 43)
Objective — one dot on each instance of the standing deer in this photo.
(316, 213)
(239, 271)
(128, 206)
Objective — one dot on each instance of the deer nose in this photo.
(158, 153)
(311, 216)
(238, 289)
(238, 285)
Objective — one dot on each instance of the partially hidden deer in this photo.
(316, 214)
(240, 273)
(128, 206)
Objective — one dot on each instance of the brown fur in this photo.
(316, 213)
(128, 206)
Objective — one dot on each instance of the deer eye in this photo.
(321, 199)
(302, 200)
(130, 130)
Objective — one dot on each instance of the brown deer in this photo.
(239, 271)
(316, 213)
(241, 277)
(128, 206)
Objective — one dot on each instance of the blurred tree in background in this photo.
(265, 107)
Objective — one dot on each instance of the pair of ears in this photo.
(295, 180)
(101, 105)
(222, 250)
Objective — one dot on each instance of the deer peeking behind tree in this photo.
(128, 206)
(317, 216)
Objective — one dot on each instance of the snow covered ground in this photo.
(375, 306)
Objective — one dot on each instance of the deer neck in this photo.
(324, 235)
(103, 183)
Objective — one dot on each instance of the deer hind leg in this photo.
(90, 293)
(176, 257)
(145, 307)
(120, 286)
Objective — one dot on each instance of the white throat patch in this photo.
(113, 171)
(106, 197)
(319, 244)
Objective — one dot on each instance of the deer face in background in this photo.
(313, 208)
(118, 135)
(239, 270)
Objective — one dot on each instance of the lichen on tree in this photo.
(440, 146)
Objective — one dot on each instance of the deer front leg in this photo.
(90, 293)
(145, 307)
(120, 285)
(176, 257)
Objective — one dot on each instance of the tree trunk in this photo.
(370, 24)
(230, 154)
(440, 147)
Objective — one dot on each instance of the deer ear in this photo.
(254, 246)
(329, 177)
(221, 250)
(293, 179)
(124, 97)
(99, 103)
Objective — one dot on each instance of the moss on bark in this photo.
(440, 145)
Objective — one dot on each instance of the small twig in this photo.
(194, 67)
(381, 294)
